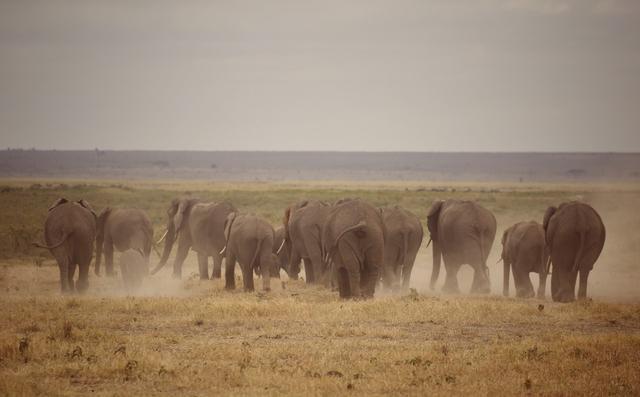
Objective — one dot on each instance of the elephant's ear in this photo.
(173, 207)
(85, 204)
(432, 218)
(182, 207)
(58, 202)
(547, 217)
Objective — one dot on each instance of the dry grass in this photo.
(195, 338)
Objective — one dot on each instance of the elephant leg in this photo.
(318, 269)
(368, 280)
(582, 289)
(265, 268)
(354, 281)
(247, 278)
(70, 275)
(217, 266)
(126, 276)
(229, 272)
(203, 266)
(108, 258)
(556, 283)
(505, 277)
(451, 280)
(406, 274)
(570, 293)
(83, 277)
(542, 285)
(522, 282)
(481, 283)
(350, 262)
(373, 264)
(562, 285)
(308, 271)
(181, 255)
(342, 277)
(388, 276)
(63, 267)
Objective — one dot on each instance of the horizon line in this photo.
(17, 149)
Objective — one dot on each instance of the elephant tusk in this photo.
(223, 250)
(163, 236)
(281, 246)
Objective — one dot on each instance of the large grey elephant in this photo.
(353, 247)
(249, 241)
(575, 237)
(524, 251)
(69, 234)
(462, 233)
(199, 226)
(403, 238)
(123, 229)
(303, 227)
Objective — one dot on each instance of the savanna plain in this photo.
(192, 337)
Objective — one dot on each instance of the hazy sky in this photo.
(477, 75)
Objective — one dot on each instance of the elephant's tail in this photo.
(578, 258)
(56, 245)
(331, 248)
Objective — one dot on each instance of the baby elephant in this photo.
(524, 250)
(249, 241)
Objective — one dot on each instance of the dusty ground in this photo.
(192, 337)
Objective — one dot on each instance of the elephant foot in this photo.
(216, 275)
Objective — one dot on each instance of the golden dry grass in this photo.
(192, 337)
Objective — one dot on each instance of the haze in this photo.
(324, 75)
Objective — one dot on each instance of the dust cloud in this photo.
(616, 274)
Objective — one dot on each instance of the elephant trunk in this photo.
(505, 281)
(169, 239)
(435, 272)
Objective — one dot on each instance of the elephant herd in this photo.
(348, 245)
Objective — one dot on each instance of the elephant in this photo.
(303, 225)
(403, 239)
(199, 226)
(353, 239)
(124, 229)
(575, 236)
(69, 234)
(248, 241)
(462, 233)
(524, 251)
